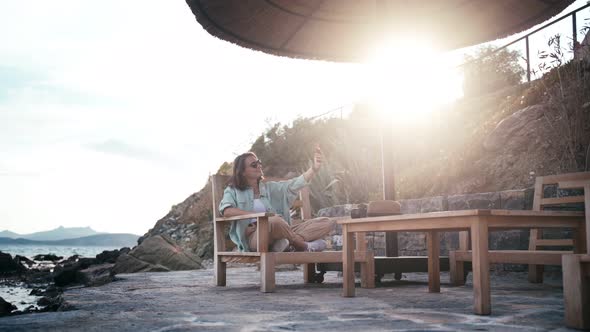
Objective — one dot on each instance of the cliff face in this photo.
(189, 224)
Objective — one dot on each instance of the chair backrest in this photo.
(542, 203)
(217, 185)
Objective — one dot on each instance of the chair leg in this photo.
(456, 270)
(368, 270)
(536, 274)
(576, 293)
(308, 273)
(219, 270)
(267, 272)
(535, 271)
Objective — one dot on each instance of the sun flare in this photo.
(408, 80)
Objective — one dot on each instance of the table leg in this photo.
(433, 245)
(481, 266)
(347, 262)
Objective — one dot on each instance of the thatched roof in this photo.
(346, 30)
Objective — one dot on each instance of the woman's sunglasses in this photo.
(255, 163)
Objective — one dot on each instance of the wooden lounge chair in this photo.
(535, 257)
(268, 260)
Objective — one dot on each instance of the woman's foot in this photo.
(316, 245)
(280, 245)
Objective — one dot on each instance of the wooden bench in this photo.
(269, 260)
(535, 257)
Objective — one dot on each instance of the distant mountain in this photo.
(115, 240)
(10, 234)
(60, 233)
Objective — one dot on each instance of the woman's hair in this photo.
(238, 180)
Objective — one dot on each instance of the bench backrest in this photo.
(541, 203)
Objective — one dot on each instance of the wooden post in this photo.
(391, 241)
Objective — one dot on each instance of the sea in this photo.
(18, 293)
(65, 251)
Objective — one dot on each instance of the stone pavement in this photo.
(187, 300)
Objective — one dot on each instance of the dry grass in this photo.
(449, 158)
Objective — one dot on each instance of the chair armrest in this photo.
(245, 216)
(262, 238)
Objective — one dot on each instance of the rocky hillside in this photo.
(495, 142)
(502, 140)
(189, 224)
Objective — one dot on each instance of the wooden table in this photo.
(479, 222)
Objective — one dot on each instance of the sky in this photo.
(113, 111)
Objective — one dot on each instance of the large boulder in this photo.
(97, 275)
(69, 272)
(516, 130)
(47, 257)
(110, 256)
(156, 253)
(9, 266)
(6, 307)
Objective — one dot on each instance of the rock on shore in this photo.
(154, 254)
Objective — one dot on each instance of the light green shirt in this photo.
(277, 197)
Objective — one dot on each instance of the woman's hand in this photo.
(317, 164)
(317, 159)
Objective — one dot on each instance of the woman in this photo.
(247, 194)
